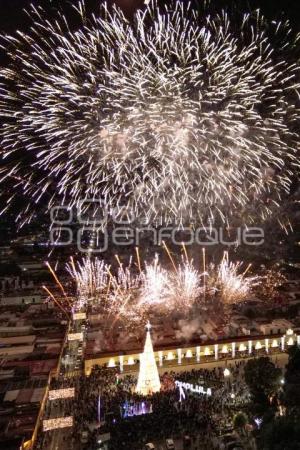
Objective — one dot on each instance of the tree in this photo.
(148, 379)
(293, 364)
(263, 380)
(292, 382)
(283, 433)
(240, 420)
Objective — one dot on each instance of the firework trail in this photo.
(91, 276)
(176, 289)
(123, 292)
(185, 287)
(155, 285)
(180, 114)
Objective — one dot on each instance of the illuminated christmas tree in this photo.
(148, 380)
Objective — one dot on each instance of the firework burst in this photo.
(91, 276)
(155, 285)
(123, 292)
(184, 288)
(132, 295)
(179, 111)
(229, 282)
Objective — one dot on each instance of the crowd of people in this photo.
(102, 398)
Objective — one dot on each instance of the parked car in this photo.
(170, 444)
(149, 446)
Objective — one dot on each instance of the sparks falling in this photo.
(228, 280)
(91, 277)
(130, 294)
(180, 114)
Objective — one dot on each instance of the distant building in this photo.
(277, 326)
(15, 330)
(33, 267)
(21, 299)
(5, 251)
(16, 351)
(15, 283)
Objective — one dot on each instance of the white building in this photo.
(26, 299)
(16, 330)
(277, 326)
(33, 267)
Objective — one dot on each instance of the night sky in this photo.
(12, 16)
